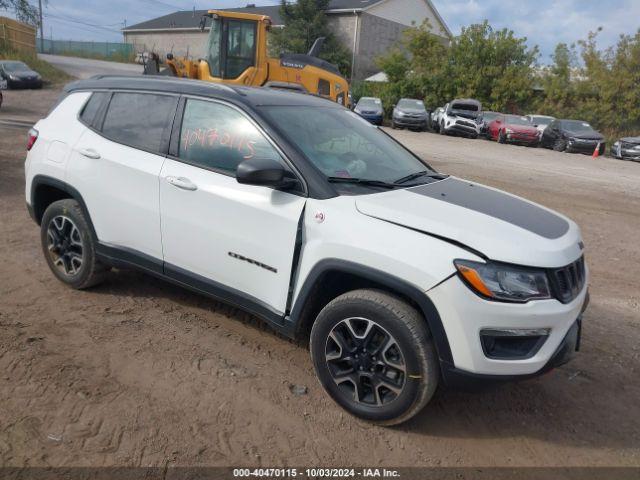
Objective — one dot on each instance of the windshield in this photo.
(517, 120)
(342, 144)
(489, 116)
(409, 104)
(15, 67)
(470, 107)
(576, 126)
(370, 103)
(541, 120)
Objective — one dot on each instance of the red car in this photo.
(513, 129)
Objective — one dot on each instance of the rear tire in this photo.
(374, 356)
(68, 245)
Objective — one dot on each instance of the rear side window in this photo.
(91, 108)
(218, 137)
(139, 120)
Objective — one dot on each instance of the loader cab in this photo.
(231, 47)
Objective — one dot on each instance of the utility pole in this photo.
(41, 27)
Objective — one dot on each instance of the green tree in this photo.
(495, 67)
(304, 22)
(24, 11)
(415, 68)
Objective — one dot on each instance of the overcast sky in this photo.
(543, 22)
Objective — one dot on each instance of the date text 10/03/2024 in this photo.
(316, 472)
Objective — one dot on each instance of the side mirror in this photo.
(265, 172)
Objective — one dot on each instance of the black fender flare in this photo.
(419, 297)
(40, 180)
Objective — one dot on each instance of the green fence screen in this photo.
(110, 50)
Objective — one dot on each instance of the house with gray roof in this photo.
(367, 28)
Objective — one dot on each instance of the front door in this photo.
(216, 232)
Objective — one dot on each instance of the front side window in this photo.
(342, 144)
(139, 120)
(218, 137)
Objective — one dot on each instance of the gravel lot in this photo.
(138, 372)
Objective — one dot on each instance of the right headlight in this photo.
(497, 281)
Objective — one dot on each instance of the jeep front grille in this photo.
(568, 281)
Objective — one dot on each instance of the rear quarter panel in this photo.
(57, 134)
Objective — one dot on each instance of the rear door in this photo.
(115, 166)
(227, 237)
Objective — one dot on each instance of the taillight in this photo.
(33, 136)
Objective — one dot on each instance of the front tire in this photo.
(560, 145)
(501, 137)
(68, 245)
(374, 356)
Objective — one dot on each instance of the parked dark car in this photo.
(410, 113)
(370, 108)
(513, 129)
(19, 75)
(572, 136)
(484, 120)
(627, 148)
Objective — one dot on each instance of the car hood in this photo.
(412, 111)
(24, 74)
(496, 224)
(523, 128)
(464, 113)
(372, 110)
(634, 140)
(585, 135)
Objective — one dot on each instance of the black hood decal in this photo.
(496, 204)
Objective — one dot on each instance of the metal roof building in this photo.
(367, 28)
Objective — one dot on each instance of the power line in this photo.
(164, 4)
(99, 27)
(76, 19)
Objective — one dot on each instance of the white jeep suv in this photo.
(307, 216)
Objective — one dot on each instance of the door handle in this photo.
(183, 183)
(90, 153)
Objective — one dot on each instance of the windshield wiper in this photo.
(362, 181)
(423, 173)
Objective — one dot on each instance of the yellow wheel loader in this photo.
(236, 53)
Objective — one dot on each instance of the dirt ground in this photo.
(138, 372)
